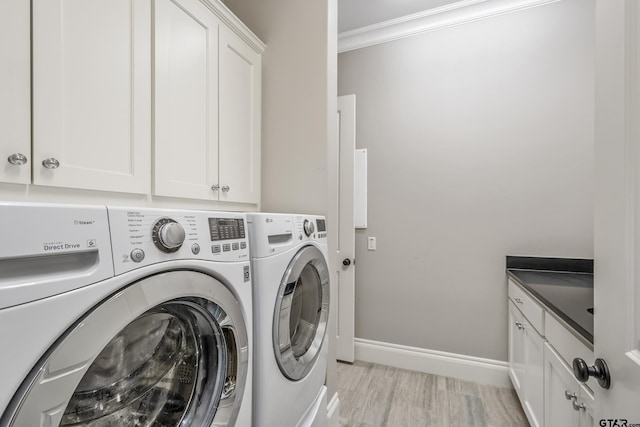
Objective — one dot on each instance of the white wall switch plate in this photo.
(371, 243)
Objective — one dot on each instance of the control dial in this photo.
(167, 235)
(309, 227)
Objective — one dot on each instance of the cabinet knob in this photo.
(578, 406)
(225, 188)
(570, 396)
(51, 163)
(346, 262)
(17, 159)
(215, 187)
(599, 371)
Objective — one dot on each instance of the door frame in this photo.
(344, 228)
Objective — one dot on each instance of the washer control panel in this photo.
(146, 236)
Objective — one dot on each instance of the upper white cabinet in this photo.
(15, 90)
(207, 104)
(240, 119)
(92, 94)
(186, 100)
(86, 83)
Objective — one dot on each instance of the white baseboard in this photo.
(333, 411)
(469, 368)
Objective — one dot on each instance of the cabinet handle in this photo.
(578, 406)
(519, 301)
(519, 325)
(17, 159)
(570, 396)
(225, 188)
(215, 187)
(51, 163)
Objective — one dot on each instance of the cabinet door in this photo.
(240, 104)
(186, 100)
(559, 383)
(92, 94)
(586, 408)
(15, 89)
(516, 350)
(534, 376)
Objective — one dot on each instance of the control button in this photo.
(195, 248)
(215, 249)
(226, 247)
(235, 246)
(243, 245)
(137, 255)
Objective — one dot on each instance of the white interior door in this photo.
(617, 211)
(344, 255)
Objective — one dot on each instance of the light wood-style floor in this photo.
(375, 396)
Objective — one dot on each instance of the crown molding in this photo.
(458, 13)
(235, 24)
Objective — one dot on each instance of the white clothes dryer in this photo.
(124, 316)
(291, 308)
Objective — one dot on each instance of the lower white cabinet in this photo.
(566, 401)
(526, 350)
(539, 366)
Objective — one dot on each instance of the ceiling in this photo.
(360, 13)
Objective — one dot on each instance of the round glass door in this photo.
(157, 353)
(301, 313)
(148, 374)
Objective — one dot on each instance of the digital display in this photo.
(321, 225)
(226, 229)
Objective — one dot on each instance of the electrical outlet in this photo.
(371, 243)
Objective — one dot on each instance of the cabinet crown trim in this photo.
(235, 24)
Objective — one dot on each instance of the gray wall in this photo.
(294, 101)
(480, 144)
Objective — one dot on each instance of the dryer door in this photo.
(169, 350)
(301, 313)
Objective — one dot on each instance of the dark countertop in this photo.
(565, 288)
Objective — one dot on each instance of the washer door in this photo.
(301, 313)
(170, 350)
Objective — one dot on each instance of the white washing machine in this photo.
(291, 308)
(124, 316)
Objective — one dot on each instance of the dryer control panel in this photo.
(147, 236)
(276, 233)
